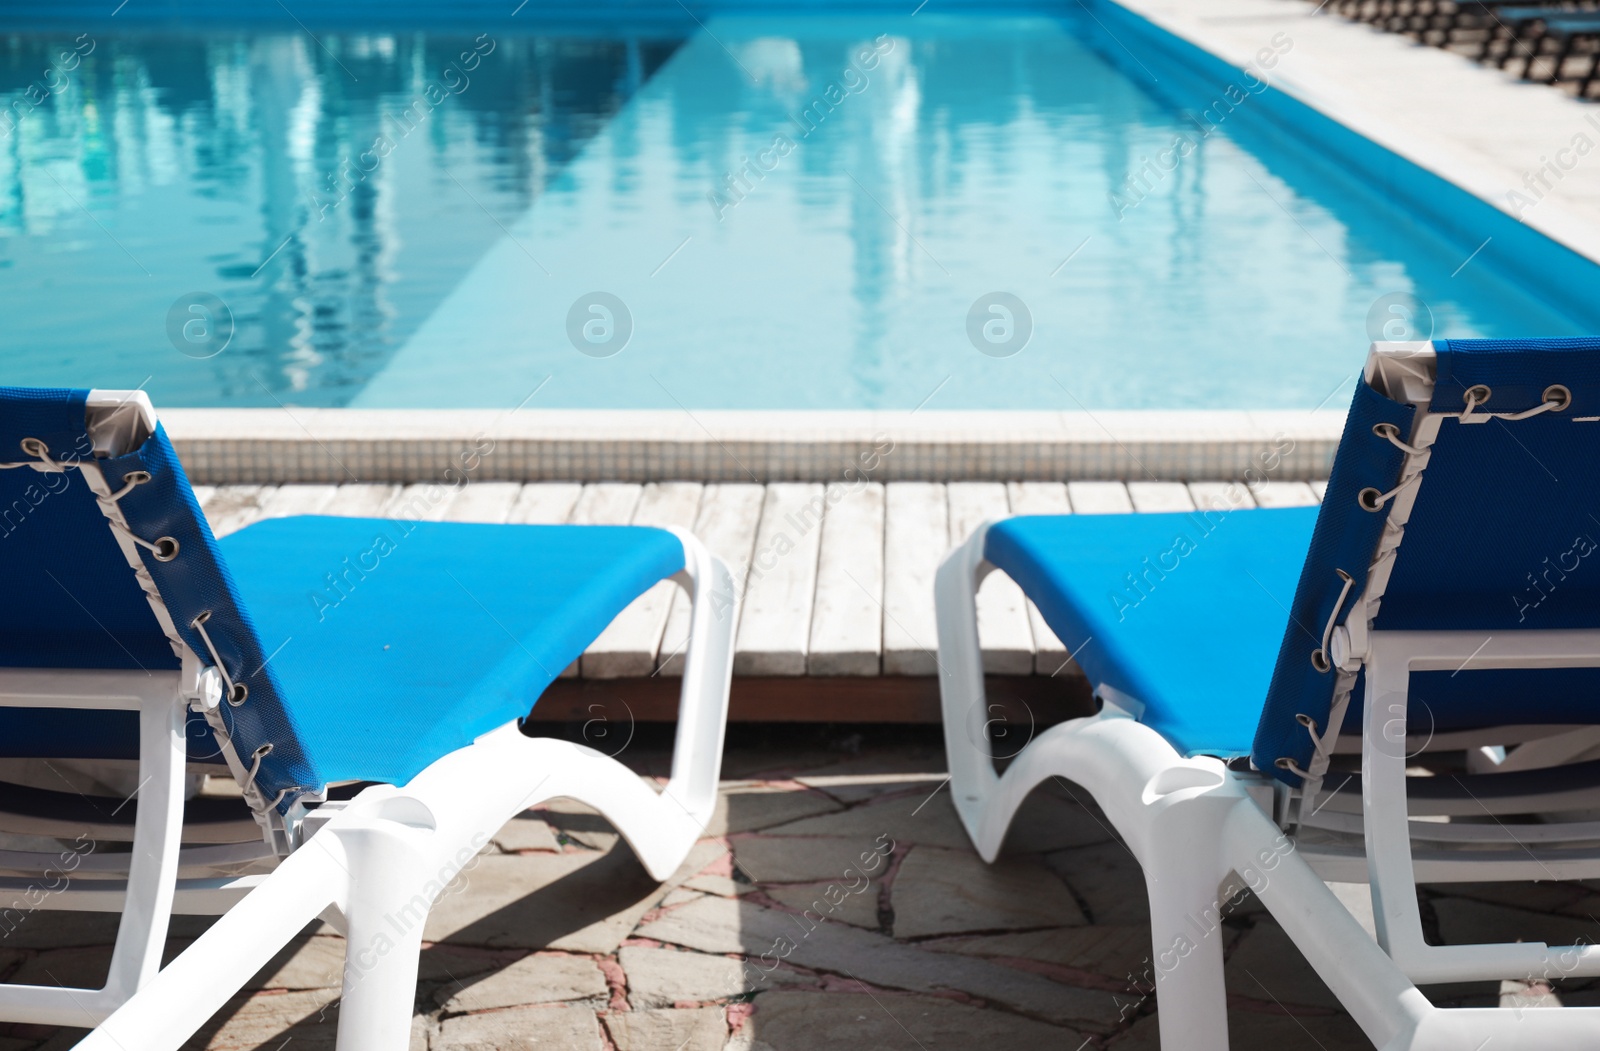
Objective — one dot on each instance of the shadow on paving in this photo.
(834, 902)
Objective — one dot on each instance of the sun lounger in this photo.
(1438, 598)
(389, 660)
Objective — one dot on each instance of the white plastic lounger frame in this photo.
(152, 865)
(1193, 823)
(372, 866)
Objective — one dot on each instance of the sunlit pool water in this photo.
(801, 211)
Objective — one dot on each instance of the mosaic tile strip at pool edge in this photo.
(260, 446)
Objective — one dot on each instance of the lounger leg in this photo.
(1489, 40)
(152, 872)
(389, 905)
(1183, 872)
(961, 689)
(1534, 49)
(703, 696)
(382, 859)
(193, 987)
(1563, 52)
(154, 867)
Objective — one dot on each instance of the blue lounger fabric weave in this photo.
(1199, 619)
(72, 600)
(478, 620)
(1495, 543)
(1183, 613)
(429, 633)
(57, 555)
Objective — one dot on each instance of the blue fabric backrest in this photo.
(75, 602)
(71, 600)
(1504, 536)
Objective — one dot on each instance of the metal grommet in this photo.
(1370, 499)
(1386, 430)
(1305, 720)
(237, 695)
(1286, 763)
(1477, 394)
(165, 549)
(129, 481)
(263, 751)
(1319, 660)
(1558, 396)
(34, 447)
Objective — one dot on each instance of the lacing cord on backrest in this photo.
(249, 783)
(1556, 398)
(236, 692)
(255, 765)
(163, 549)
(1319, 656)
(1371, 499)
(1392, 433)
(1321, 744)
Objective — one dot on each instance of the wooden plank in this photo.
(916, 521)
(603, 503)
(361, 500)
(232, 507)
(545, 503)
(628, 645)
(1099, 498)
(291, 500)
(1042, 498)
(847, 617)
(1320, 489)
(606, 503)
(1004, 636)
(1220, 497)
(775, 624)
(1160, 496)
(730, 514)
(1038, 498)
(422, 502)
(1285, 494)
(483, 502)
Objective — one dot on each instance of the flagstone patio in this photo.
(833, 902)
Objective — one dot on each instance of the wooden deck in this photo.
(838, 578)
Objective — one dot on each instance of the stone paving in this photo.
(834, 902)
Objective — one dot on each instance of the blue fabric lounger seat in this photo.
(1438, 615)
(396, 641)
(363, 681)
(1148, 600)
(401, 641)
(296, 613)
(1144, 600)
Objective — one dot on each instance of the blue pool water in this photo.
(751, 211)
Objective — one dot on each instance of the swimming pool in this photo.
(1033, 209)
